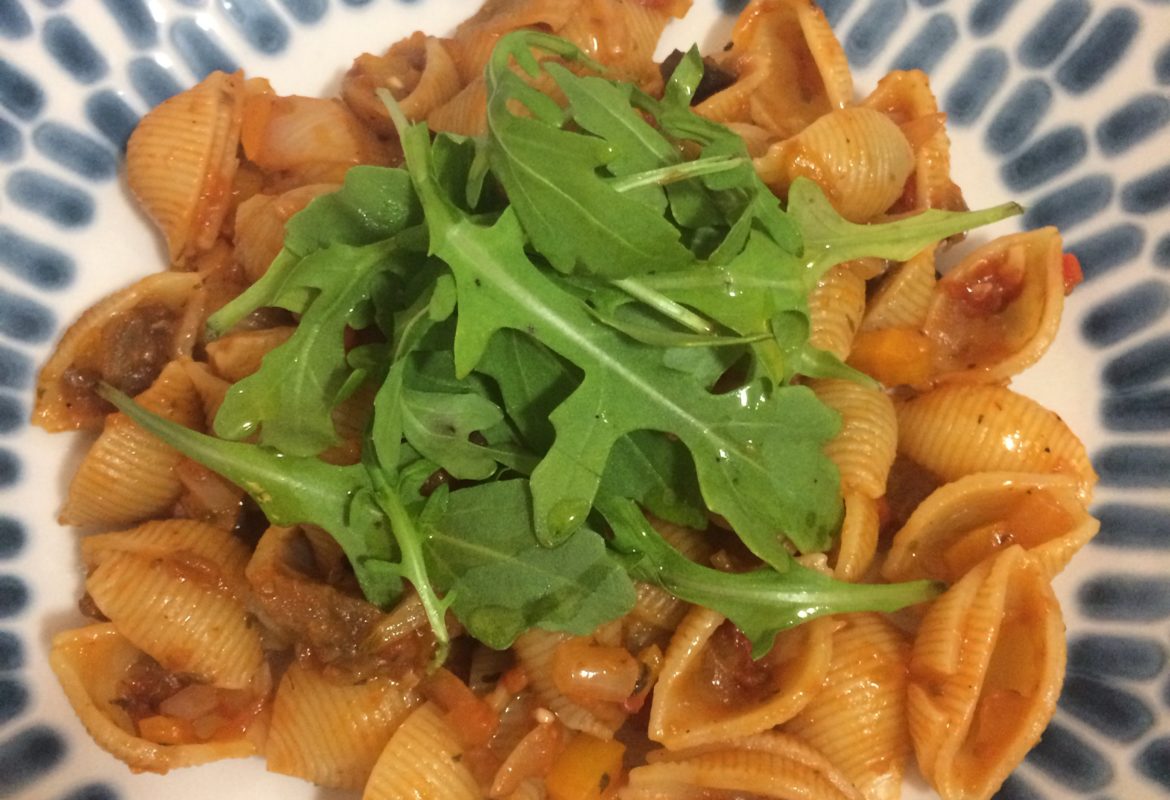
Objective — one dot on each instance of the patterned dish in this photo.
(1063, 105)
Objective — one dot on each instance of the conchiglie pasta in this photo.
(858, 720)
(904, 294)
(956, 430)
(774, 765)
(711, 690)
(260, 222)
(789, 69)
(835, 309)
(422, 759)
(181, 161)
(97, 666)
(331, 731)
(857, 542)
(181, 606)
(536, 651)
(997, 312)
(970, 519)
(857, 155)
(128, 475)
(864, 447)
(419, 71)
(985, 672)
(125, 340)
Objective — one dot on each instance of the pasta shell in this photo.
(422, 759)
(966, 521)
(770, 765)
(789, 67)
(181, 161)
(710, 690)
(857, 155)
(93, 665)
(864, 447)
(956, 430)
(419, 71)
(535, 651)
(237, 355)
(128, 475)
(181, 606)
(904, 295)
(124, 340)
(997, 312)
(835, 307)
(260, 222)
(985, 673)
(858, 720)
(464, 114)
(330, 732)
(906, 97)
(857, 542)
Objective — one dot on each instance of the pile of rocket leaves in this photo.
(550, 314)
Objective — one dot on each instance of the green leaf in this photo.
(481, 549)
(762, 602)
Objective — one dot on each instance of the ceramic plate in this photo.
(1063, 105)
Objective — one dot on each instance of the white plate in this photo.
(1061, 104)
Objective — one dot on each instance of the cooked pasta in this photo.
(227, 626)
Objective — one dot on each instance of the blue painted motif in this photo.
(1053, 32)
(135, 20)
(19, 93)
(57, 201)
(835, 10)
(201, 52)
(356, 2)
(1112, 656)
(1134, 466)
(973, 90)
(16, 368)
(13, 699)
(14, 20)
(75, 151)
(1154, 761)
(1070, 760)
(38, 264)
(73, 50)
(11, 652)
(1142, 365)
(1162, 252)
(1134, 122)
(1126, 313)
(11, 142)
(1019, 115)
(24, 319)
(1046, 158)
(92, 791)
(13, 597)
(872, 30)
(1137, 412)
(1068, 205)
(1149, 193)
(1114, 712)
(153, 82)
(988, 15)
(12, 541)
(1144, 527)
(726, 6)
(1101, 50)
(255, 19)
(1125, 597)
(30, 754)
(928, 47)
(1109, 249)
(111, 115)
(309, 11)
(1016, 788)
(1162, 66)
(12, 413)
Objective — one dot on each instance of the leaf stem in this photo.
(674, 173)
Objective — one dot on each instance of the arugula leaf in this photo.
(290, 490)
(481, 549)
(762, 602)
